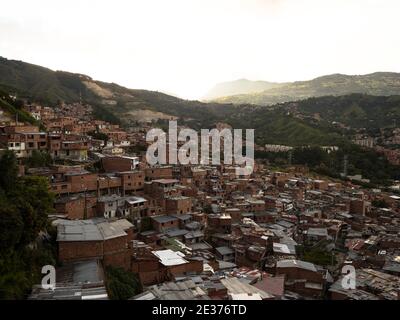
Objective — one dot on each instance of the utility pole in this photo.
(290, 155)
(345, 164)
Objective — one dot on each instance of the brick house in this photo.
(163, 223)
(178, 205)
(156, 173)
(119, 163)
(302, 277)
(74, 207)
(95, 238)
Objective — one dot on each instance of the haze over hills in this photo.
(240, 86)
(379, 84)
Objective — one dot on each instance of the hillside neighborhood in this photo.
(199, 231)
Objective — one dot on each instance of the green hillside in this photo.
(379, 84)
(275, 124)
(355, 110)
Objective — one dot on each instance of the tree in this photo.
(99, 135)
(35, 202)
(8, 170)
(319, 256)
(121, 284)
(39, 159)
(381, 203)
(11, 225)
(146, 224)
(25, 203)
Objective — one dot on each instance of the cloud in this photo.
(187, 46)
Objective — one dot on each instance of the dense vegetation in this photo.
(319, 257)
(41, 84)
(24, 229)
(102, 113)
(38, 159)
(367, 163)
(98, 135)
(121, 284)
(355, 110)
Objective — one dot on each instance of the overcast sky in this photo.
(187, 46)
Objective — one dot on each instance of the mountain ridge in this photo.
(274, 124)
(239, 86)
(381, 83)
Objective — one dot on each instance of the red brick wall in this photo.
(116, 164)
(168, 225)
(298, 273)
(132, 181)
(178, 206)
(76, 250)
(81, 182)
(148, 278)
(117, 259)
(158, 173)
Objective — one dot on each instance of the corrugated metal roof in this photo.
(182, 290)
(164, 219)
(224, 250)
(169, 257)
(91, 230)
(235, 286)
(296, 264)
